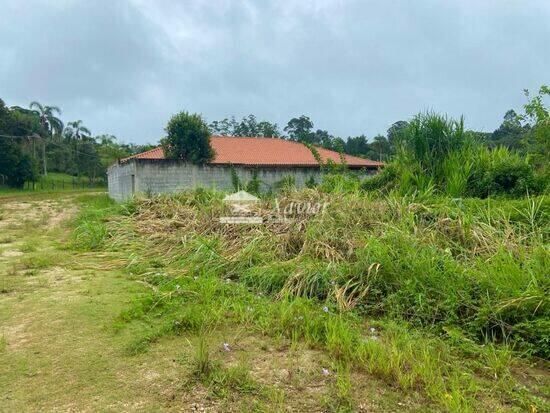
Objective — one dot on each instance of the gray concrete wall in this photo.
(168, 176)
(121, 180)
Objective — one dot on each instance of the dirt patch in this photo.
(59, 275)
(56, 219)
(16, 336)
(11, 253)
(43, 213)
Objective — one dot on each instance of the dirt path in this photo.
(57, 348)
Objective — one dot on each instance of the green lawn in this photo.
(52, 183)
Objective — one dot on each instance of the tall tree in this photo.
(88, 159)
(110, 150)
(49, 122)
(77, 133)
(381, 146)
(268, 129)
(537, 140)
(300, 129)
(510, 133)
(16, 166)
(396, 131)
(48, 119)
(323, 138)
(224, 127)
(358, 145)
(248, 126)
(188, 138)
(77, 130)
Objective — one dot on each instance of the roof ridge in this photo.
(150, 150)
(249, 137)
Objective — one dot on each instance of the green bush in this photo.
(386, 179)
(310, 183)
(501, 172)
(287, 182)
(340, 182)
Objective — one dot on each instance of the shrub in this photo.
(386, 179)
(435, 154)
(340, 182)
(499, 171)
(310, 183)
(430, 138)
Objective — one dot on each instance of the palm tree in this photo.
(50, 123)
(78, 130)
(48, 120)
(382, 146)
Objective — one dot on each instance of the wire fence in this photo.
(43, 185)
(55, 182)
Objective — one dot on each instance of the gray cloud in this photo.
(353, 66)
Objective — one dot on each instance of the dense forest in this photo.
(35, 141)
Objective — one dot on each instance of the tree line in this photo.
(35, 141)
(516, 132)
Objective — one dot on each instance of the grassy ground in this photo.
(52, 184)
(75, 330)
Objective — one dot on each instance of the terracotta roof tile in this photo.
(266, 152)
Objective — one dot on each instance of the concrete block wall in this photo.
(121, 179)
(153, 176)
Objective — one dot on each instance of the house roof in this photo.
(266, 152)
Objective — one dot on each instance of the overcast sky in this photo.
(354, 67)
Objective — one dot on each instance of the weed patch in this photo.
(431, 296)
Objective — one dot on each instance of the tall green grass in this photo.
(436, 155)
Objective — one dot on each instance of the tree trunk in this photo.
(44, 156)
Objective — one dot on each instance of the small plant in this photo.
(287, 183)
(235, 180)
(4, 288)
(203, 363)
(310, 182)
(233, 379)
(28, 246)
(90, 230)
(253, 185)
